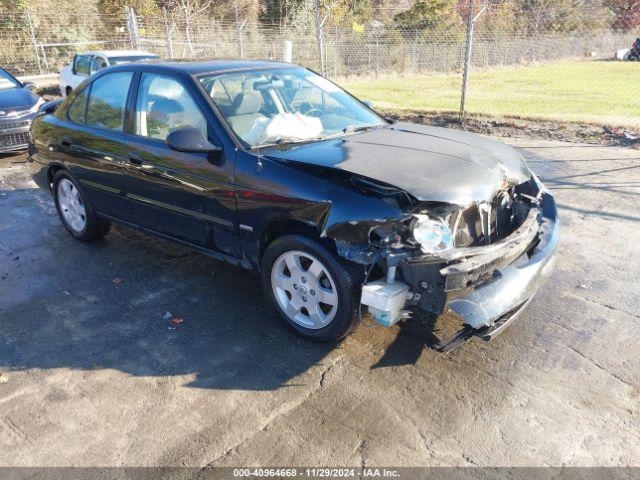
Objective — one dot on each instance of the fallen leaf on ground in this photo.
(117, 281)
(167, 315)
(4, 378)
(177, 320)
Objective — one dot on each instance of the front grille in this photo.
(14, 139)
(12, 125)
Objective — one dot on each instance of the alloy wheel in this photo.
(304, 289)
(71, 205)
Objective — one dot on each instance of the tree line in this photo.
(430, 16)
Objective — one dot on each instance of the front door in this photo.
(187, 196)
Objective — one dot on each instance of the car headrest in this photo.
(247, 102)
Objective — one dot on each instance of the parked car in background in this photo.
(86, 64)
(272, 167)
(18, 106)
(634, 52)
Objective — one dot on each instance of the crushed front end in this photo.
(483, 262)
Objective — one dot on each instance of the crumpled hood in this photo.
(430, 163)
(17, 99)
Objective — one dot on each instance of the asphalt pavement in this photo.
(93, 372)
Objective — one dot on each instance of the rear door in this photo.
(187, 196)
(93, 146)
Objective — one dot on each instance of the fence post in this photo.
(241, 37)
(287, 51)
(377, 56)
(335, 52)
(167, 33)
(467, 60)
(132, 26)
(240, 27)
(319, 37)
(45, 59)
(32, 34)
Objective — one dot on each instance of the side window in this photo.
(164, 105)
(78, 108)
(82, 65)
(107, 100)
(98, 63)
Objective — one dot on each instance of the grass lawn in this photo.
(601, 92)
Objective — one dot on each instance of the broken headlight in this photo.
(433, 235)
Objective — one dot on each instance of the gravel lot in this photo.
(91, 374)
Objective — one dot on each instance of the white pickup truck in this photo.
(86, 64)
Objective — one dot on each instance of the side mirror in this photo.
(368, 103)
(191, 140)
(29, 85)
(50, 107)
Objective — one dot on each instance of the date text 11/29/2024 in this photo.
(316, 472)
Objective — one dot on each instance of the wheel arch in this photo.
(53, 169)
(284, 227)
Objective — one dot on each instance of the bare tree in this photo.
(191, 9)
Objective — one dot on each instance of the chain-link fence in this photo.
(552, 66)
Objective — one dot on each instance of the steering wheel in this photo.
(313, 112)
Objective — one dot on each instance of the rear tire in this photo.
(320, 296)
(75, 212)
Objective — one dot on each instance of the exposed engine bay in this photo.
(440, 252)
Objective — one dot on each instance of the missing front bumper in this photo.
(487, 333)
(514, 284)
(488, 308)
(488, 289)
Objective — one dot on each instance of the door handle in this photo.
(135, 161)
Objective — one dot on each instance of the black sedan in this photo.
(18, 106)
(274, 168)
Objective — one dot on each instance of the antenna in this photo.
(259, 164)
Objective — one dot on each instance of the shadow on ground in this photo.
(102, 306)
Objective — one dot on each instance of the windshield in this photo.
(286, 105)
(131, 58)
(7, 81)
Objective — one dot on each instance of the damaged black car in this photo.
(272, 167)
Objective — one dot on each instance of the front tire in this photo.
(74, 211)
(313, 291)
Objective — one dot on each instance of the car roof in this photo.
(117, 53)
(196, 68)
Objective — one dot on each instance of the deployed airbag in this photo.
(283, 125)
